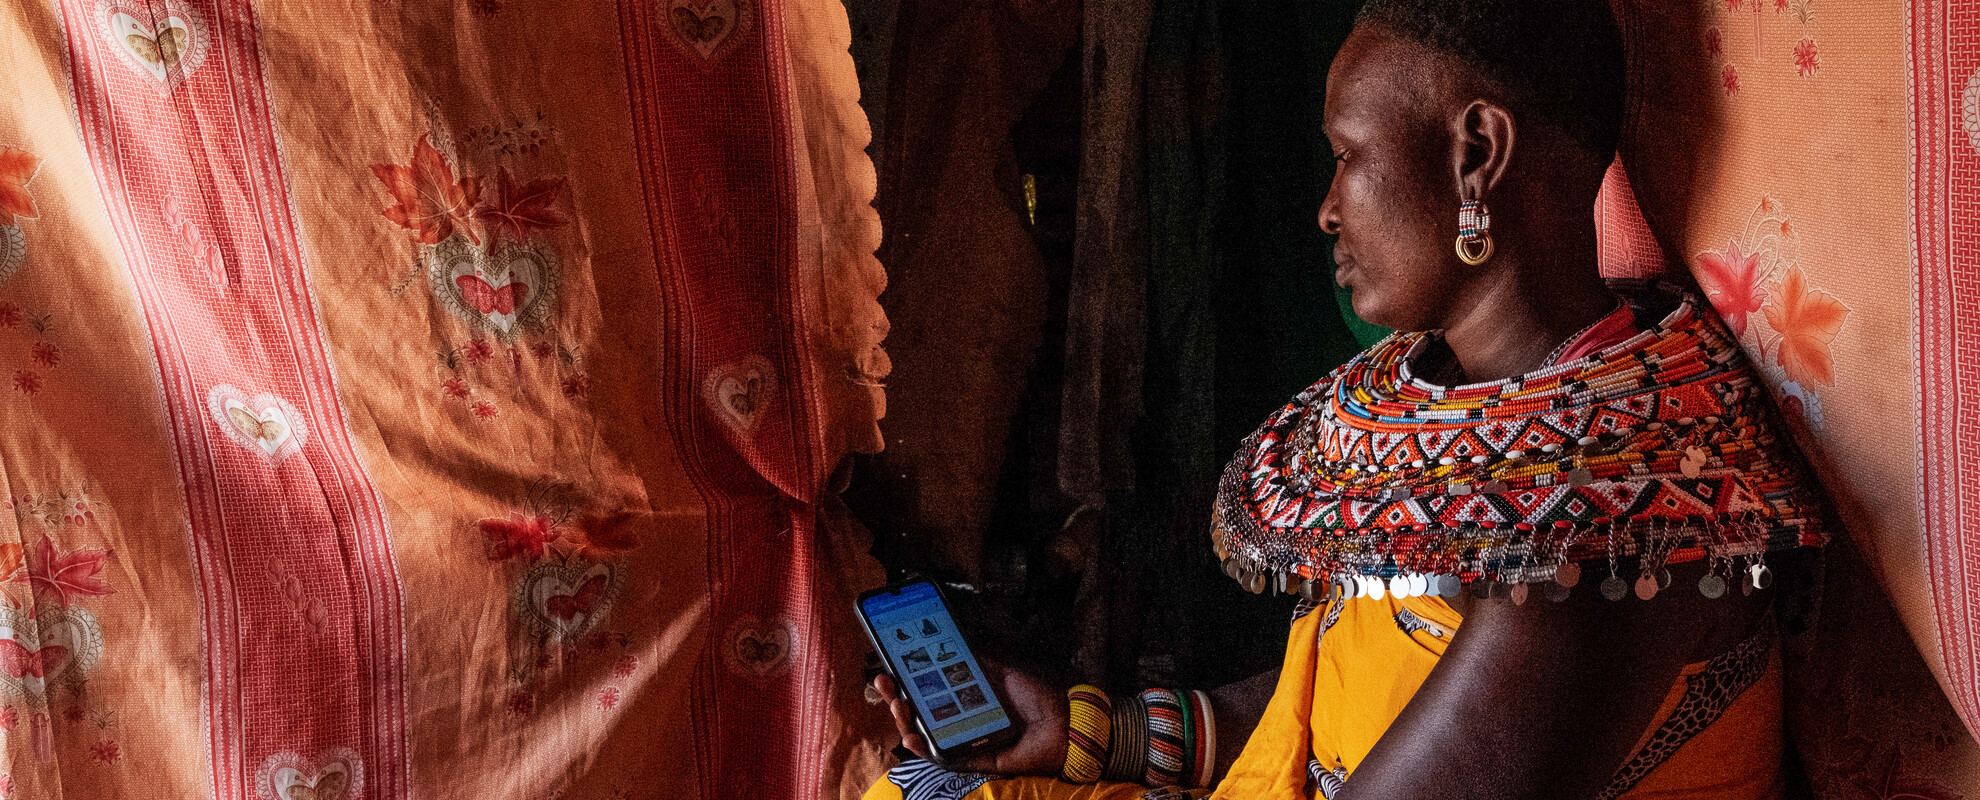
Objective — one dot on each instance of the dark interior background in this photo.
(1104, 272)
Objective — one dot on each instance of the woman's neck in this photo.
(1516, 320)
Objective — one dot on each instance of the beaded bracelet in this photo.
(1089, 731)
(1165, 737)
(1189, 723)
(1127, 760)
(1206, 740)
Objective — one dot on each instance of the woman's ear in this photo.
(1483, 147)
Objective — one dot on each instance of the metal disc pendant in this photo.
(1449, 585)
(1646, 587)
(1712, 586)
(1663, 578)
(1518, 592)
(1231, 567)
(1567, 575)
(1309, 591)
(1580, 477)
(1556, 592)
(1375, 589)
(1614, 588)
(1399, 586)
(1460, 489)
(1255, 583)
(1419, 585)
(1493, 487)
(1761, 576)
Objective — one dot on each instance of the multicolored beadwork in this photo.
(1659, 450)
(1165, 737)
(1089, 731)
(1474, 221)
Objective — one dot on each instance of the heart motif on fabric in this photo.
(498, 292)
(263, 424)
(564, 601)
(336, 774)
(742, 391)
(703, 30)
(761, 648)
(164, 43)
(58, 646)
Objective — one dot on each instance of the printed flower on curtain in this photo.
(567, 568)
(427, 199)
(517, 208)
(48, 640)
(67, 576)
(17, 168)
(39, 353)
(479, 245)
(481, 225)
(1758, 273)
(572, 569)
(1805, 320)
(1731, 280)
(1806, 61)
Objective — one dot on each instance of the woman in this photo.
(1535, 537)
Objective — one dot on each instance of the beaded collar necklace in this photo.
(1659, 450)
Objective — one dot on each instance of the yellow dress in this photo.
(1352, 665)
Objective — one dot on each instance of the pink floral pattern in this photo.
(1807, 62)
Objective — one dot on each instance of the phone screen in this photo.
(934, 666)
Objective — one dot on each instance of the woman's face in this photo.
(1393, 203)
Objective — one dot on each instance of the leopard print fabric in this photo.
(1707, 695)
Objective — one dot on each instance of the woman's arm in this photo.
(1239, 706)
(1546, 700)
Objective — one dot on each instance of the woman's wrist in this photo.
(1158, 737)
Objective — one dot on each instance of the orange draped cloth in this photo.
(1351, 667)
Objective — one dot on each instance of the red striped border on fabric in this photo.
(1943, 50)
(714, 139)
(293, 499)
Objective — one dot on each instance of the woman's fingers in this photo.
(903, 715)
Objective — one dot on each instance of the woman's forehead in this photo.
(1381, 81)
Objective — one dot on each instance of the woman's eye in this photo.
(1341, 156)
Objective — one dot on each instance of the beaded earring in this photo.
(1474, 239)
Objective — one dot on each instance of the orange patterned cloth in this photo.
(432, 399)
(1351, 666)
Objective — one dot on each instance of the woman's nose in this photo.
(1330, 220)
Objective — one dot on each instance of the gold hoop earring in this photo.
(1474, 239)
(1484, 251)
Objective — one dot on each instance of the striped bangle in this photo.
(1165, 737)
(1206, 740)
(1089, 728)
(1127, 760)
(1184, 702)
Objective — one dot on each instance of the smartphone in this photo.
(959, 713)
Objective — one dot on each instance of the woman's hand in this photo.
(1039, 707)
